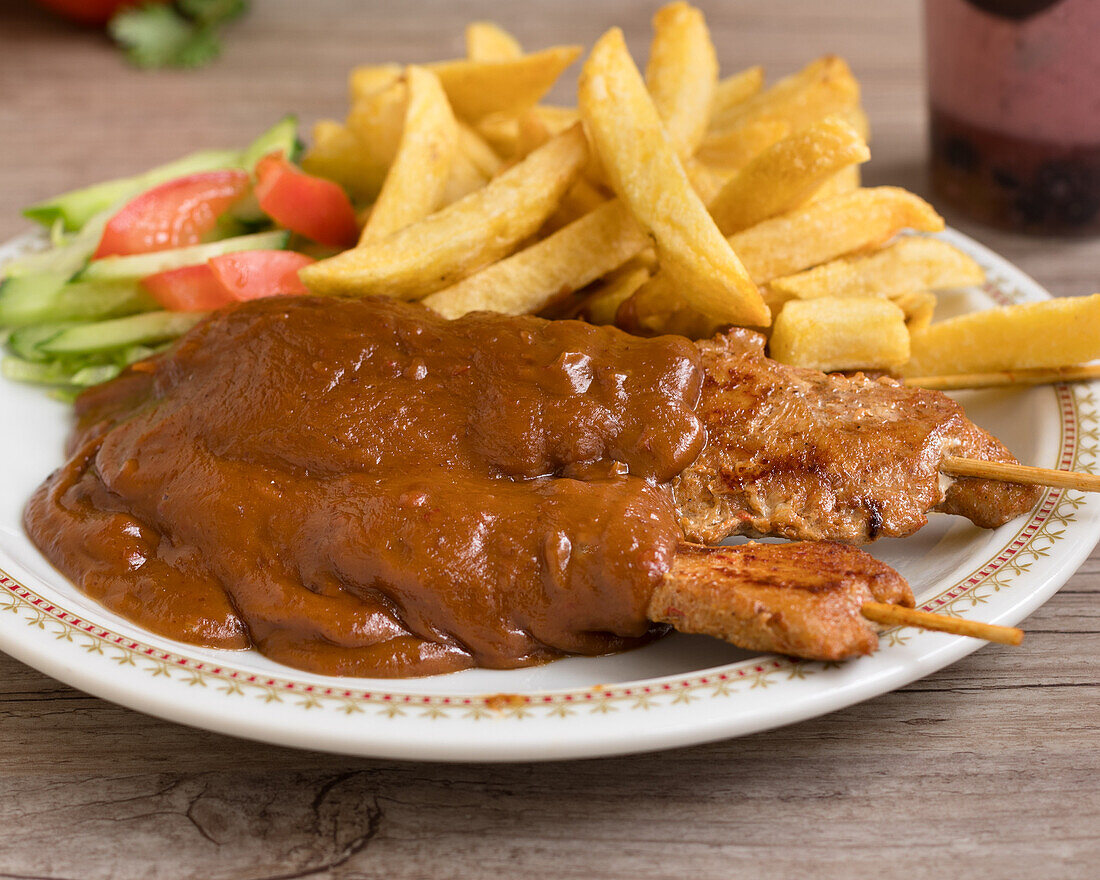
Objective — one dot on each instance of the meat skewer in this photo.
(1007, 378)
(799, 454)
(1018, 473)
(812, 600)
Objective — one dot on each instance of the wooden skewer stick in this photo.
(1019, 473)
(896, 615)
(1044, 376)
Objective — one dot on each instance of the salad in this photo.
(134, 263)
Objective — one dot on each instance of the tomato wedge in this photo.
(190, 289)
(255, 274)
(311, 206)
(175, 214)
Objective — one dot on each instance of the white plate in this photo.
(680, 690)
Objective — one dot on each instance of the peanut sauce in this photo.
(360, 487)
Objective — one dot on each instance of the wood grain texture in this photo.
(990, 768)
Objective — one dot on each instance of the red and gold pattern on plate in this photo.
(1079, 450)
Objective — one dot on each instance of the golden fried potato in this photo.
(477, 150)
(556, 118)
(564, 262)
(501, 132)
(824, 87)
(733, 150)
(647, 175)
(659, 307)
(580, 199)
(465, 177)
(857, 118)
(488, 41)
(532, 133)
(681, 74)
(479, 88)
(840, 334)
(736, 89)
(706, 181)
(845, 180)
(377, 121)
(1052, 333)
(417, 179)
(786, 174)
(371, 79)
(603, 302)
(827, 229)
(457, 241)
(337, 154)
(919, 307)
(912, 263)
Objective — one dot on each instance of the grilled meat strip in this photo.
(802, 599)
(810, 456)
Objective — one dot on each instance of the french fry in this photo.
(579, 199)
(488, 41)
(465, 177)
(658, 307)
(840, 334)
(824, 87)
(736, 89)
(911, 263)
(646, 174)
(603, 303)
(681, 74)
(478, 151)
(824, 230)
(706, 181)
(501, 132)
(479, 88)
(337, 154)
(919, 307)
(566, 261)
(417, 178)
(532, 133)
(377, 120)
(1051, 333)
(371, 79)
(786, 174)
(845, 180)
(856, 117)
(458, 240)
(557, 119)
(733, 150)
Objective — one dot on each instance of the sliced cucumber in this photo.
(282, 136)
(34, 299)
(94, 375)
(35, 372)
(26, 342)
(143, 329)
(77, 207)
(22, 297)
(66, 258)
(138, 266)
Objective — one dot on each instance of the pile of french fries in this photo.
(674, 202)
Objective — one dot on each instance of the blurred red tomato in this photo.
(96, 12)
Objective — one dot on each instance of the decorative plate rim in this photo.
(497, 735)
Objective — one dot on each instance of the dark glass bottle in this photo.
(1014, 102)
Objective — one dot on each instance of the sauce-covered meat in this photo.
(363, 488)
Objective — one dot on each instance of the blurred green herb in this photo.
(181, 34)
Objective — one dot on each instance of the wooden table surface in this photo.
(989, 768)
